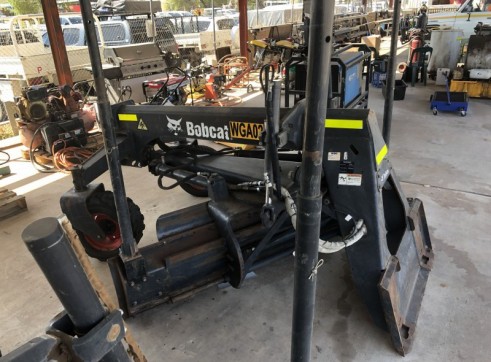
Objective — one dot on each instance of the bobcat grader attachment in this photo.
(246, 222)
(249, 218)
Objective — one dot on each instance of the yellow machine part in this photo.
(259, 43)
(285, 44)
(474, 89)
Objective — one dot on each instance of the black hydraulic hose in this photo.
(106, 121)
(390, 82)
(310, 197)
(7, 158)
(272, 122)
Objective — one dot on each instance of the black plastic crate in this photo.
(399, 89)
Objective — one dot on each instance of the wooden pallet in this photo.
(11, 203)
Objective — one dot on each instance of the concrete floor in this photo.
(442, 160)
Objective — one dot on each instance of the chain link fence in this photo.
(25, 49)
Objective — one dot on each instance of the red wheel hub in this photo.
(112, 233)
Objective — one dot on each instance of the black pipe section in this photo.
(273, 126)
(310, 197)
(164, 170)
(52, 251)
(106, 122)
(391, 73)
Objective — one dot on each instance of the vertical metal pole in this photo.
(391, 73)
(310, 197)
(214, 30)
(152, 19)
(243, 28)
(257, 13)
(57, 42)
(108, 130)
(291, 13)
(52, 251)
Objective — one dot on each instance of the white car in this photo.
(70, 19)
(172, 14)
(198, 24)
(465, 18)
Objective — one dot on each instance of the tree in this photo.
(25, 7)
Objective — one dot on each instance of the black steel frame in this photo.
(397, 240)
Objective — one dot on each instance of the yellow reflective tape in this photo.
(344, 123)
(128, 117)
(381, 154)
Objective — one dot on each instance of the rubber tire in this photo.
(435, 111)
(102, 204)
(463, 113)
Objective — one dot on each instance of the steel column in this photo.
(57, 42)
(243, 28)
(391, 81)
(108, 130)
(310, 197)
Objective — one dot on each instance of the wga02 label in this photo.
(246, 131)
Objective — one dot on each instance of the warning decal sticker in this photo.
(142, 126)
(349, 179)
(334, 156)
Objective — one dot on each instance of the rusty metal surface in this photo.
(403, 283)
(243, 28)
(57, 42)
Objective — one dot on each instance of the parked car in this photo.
(171, 14)
(122, 32)
(466, 17)
(198, 24)
(70, 19)
(219, 12)
(195, 36)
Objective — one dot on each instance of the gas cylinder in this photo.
(416, 41)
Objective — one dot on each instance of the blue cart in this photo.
(449, 102)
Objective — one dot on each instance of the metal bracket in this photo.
(101, 339)
(74, 205)
(94, 345)
(403, 283)
(236, 259)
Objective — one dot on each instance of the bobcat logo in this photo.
(174, 126)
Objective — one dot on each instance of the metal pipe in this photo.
(214, 30)
(106, 121)
(391, 70)
(243, 28)
(275, 123)
(310, 197)
(257, 13)
(57, 42)
(152, 19)
(52, 251)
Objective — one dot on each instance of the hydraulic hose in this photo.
(325, 246)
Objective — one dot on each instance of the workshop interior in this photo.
(287, 127)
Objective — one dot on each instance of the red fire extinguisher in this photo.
(415, 41)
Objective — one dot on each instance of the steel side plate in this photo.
(404, 280)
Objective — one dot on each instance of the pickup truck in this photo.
(121, 32)
(194, 35)
(465, 17)
(26, 58)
